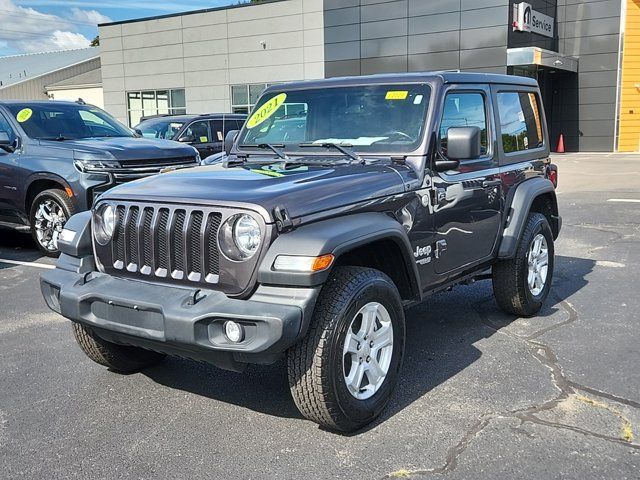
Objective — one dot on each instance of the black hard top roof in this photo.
(417, 77)
(42, 102)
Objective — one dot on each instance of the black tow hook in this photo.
(194, 297)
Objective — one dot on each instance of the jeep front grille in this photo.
(167, 242)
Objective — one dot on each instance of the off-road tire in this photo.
(510, 285)
(62, 199)
(120, 358)
(315, 364)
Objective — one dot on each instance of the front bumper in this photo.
(181, 321)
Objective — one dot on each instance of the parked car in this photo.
(401, 186)
(57, 157)
(204, 132)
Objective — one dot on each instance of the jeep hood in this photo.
(124, 148)
(302, 190)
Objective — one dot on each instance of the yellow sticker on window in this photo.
(266, 110)
(204, 139)
(24, 115)
(396, 95)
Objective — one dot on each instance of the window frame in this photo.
(171, 109)
(531, 154)
(484, 90)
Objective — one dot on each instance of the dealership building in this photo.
(585, 55)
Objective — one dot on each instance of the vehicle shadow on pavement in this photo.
(17, 245)
(440, 338)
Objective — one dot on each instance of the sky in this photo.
(28, 26)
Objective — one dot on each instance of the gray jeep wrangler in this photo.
(341, 203)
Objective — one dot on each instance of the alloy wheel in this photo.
(49, 222)
(368, 349)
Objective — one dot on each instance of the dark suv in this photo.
(402, 186)
(205, 132)
(57, 157)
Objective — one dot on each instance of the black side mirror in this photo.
(187, 139)
(229, 139)
(463, 143)
(5, 143)
(138, 132)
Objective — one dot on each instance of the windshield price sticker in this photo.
(24, 115)
(266, 110)
(396, 95)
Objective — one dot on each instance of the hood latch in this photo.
(283, 221)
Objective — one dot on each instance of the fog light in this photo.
(233, 331)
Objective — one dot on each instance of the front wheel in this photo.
(50, 210)
(521, 284)
(343, 372)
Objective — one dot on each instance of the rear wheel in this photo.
(121, 358)
(50, 210)
(343, 372)
(521, 284)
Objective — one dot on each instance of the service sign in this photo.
(526, 19)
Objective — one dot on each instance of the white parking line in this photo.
(27, 264)
(624, 200)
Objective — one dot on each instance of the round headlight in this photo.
(239, 237)
(109, 220)
(105, 223)
(246, 235)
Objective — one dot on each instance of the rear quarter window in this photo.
(520, 121)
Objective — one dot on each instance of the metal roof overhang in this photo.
(539, 56)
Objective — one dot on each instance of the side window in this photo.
(219, 129)
(520, 121)
(5, 127)
(464, 109)
(199, 131)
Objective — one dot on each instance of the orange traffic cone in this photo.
(560, 148)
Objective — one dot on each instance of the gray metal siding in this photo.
(374, 36)
(34, 89)
(590, 31)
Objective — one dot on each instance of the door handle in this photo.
(491, 183)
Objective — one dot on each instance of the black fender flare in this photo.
(523, 198)
(336, 236)
(34, 177)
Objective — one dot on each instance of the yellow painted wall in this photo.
(629, 131)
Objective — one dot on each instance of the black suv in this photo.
(404, 185)
(57, 157)
(205, 132)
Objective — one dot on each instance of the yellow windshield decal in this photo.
(24, 115)
(396, 95)
(266, 110)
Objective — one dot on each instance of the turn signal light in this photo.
(299, 263)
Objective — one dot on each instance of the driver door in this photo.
(468, 199)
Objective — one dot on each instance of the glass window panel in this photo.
(134, 101)
(149, 103)
(520, 121)
(239, 95)
(244, 110)
(464, 109)
(254, 92)
(162, 98)
(178, 99)
(199, 131)
(134, 117)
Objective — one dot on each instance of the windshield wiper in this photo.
(341, 147)
(275, 148)
(59, 138)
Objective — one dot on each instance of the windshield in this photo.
(371, 118)
(159, 128)
(64, 121)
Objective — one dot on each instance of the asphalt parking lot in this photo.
(482, 395)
